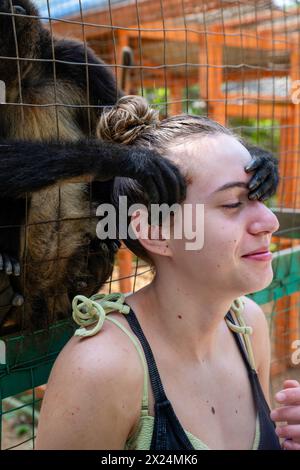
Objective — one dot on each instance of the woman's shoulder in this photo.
(255, 317)
(253, 314)
(109, 355)
(97, 382)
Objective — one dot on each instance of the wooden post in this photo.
(125, 269)
(211, 77)
(175, 105)
(122, 42)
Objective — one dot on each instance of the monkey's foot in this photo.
(9, 265)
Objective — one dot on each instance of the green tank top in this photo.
(95, 310)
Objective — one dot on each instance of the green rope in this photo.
(87, 311)
(237, 307)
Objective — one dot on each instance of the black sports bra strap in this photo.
(157, 386)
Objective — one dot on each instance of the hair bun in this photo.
(127, 120)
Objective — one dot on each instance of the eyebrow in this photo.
(238, 184)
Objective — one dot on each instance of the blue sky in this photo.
(60, 8)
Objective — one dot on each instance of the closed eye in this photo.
(233, 206)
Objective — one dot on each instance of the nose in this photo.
(263, 219)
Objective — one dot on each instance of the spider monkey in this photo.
(60, 253)
(55, 91)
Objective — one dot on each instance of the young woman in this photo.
(178, 371)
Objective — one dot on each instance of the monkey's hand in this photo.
(264, 182)
(159, 178)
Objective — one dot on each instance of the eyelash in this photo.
(233, 206)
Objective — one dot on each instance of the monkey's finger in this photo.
(179, 184)
(152, 219)
(157, 191)
(172, 186)
(258, 196)
(168, 184)
(16, 266)
(268, 194)
(162, 176)
(262, 191)
(18, 300)
(266, 189)
(254, 164)
(259, 177)
(7, 265)
(174, 182)
(152, 188)
(153, 196)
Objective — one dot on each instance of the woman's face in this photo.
(234, 226)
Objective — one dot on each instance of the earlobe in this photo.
(157, 247)
(149, 236)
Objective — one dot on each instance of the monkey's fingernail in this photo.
(18, 300)
(17, 271)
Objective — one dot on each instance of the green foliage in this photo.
(192, 103)
(262, 132)
(157, 97)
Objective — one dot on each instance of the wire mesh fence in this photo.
(236, 62)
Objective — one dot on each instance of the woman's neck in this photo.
(187, 318)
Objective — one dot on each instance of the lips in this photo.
(263, 249)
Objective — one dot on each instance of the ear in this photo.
(149, 236)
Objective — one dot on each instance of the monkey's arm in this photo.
(264, 182)
(31, 166)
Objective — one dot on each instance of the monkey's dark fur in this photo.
(59, 252)
(52, 229)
